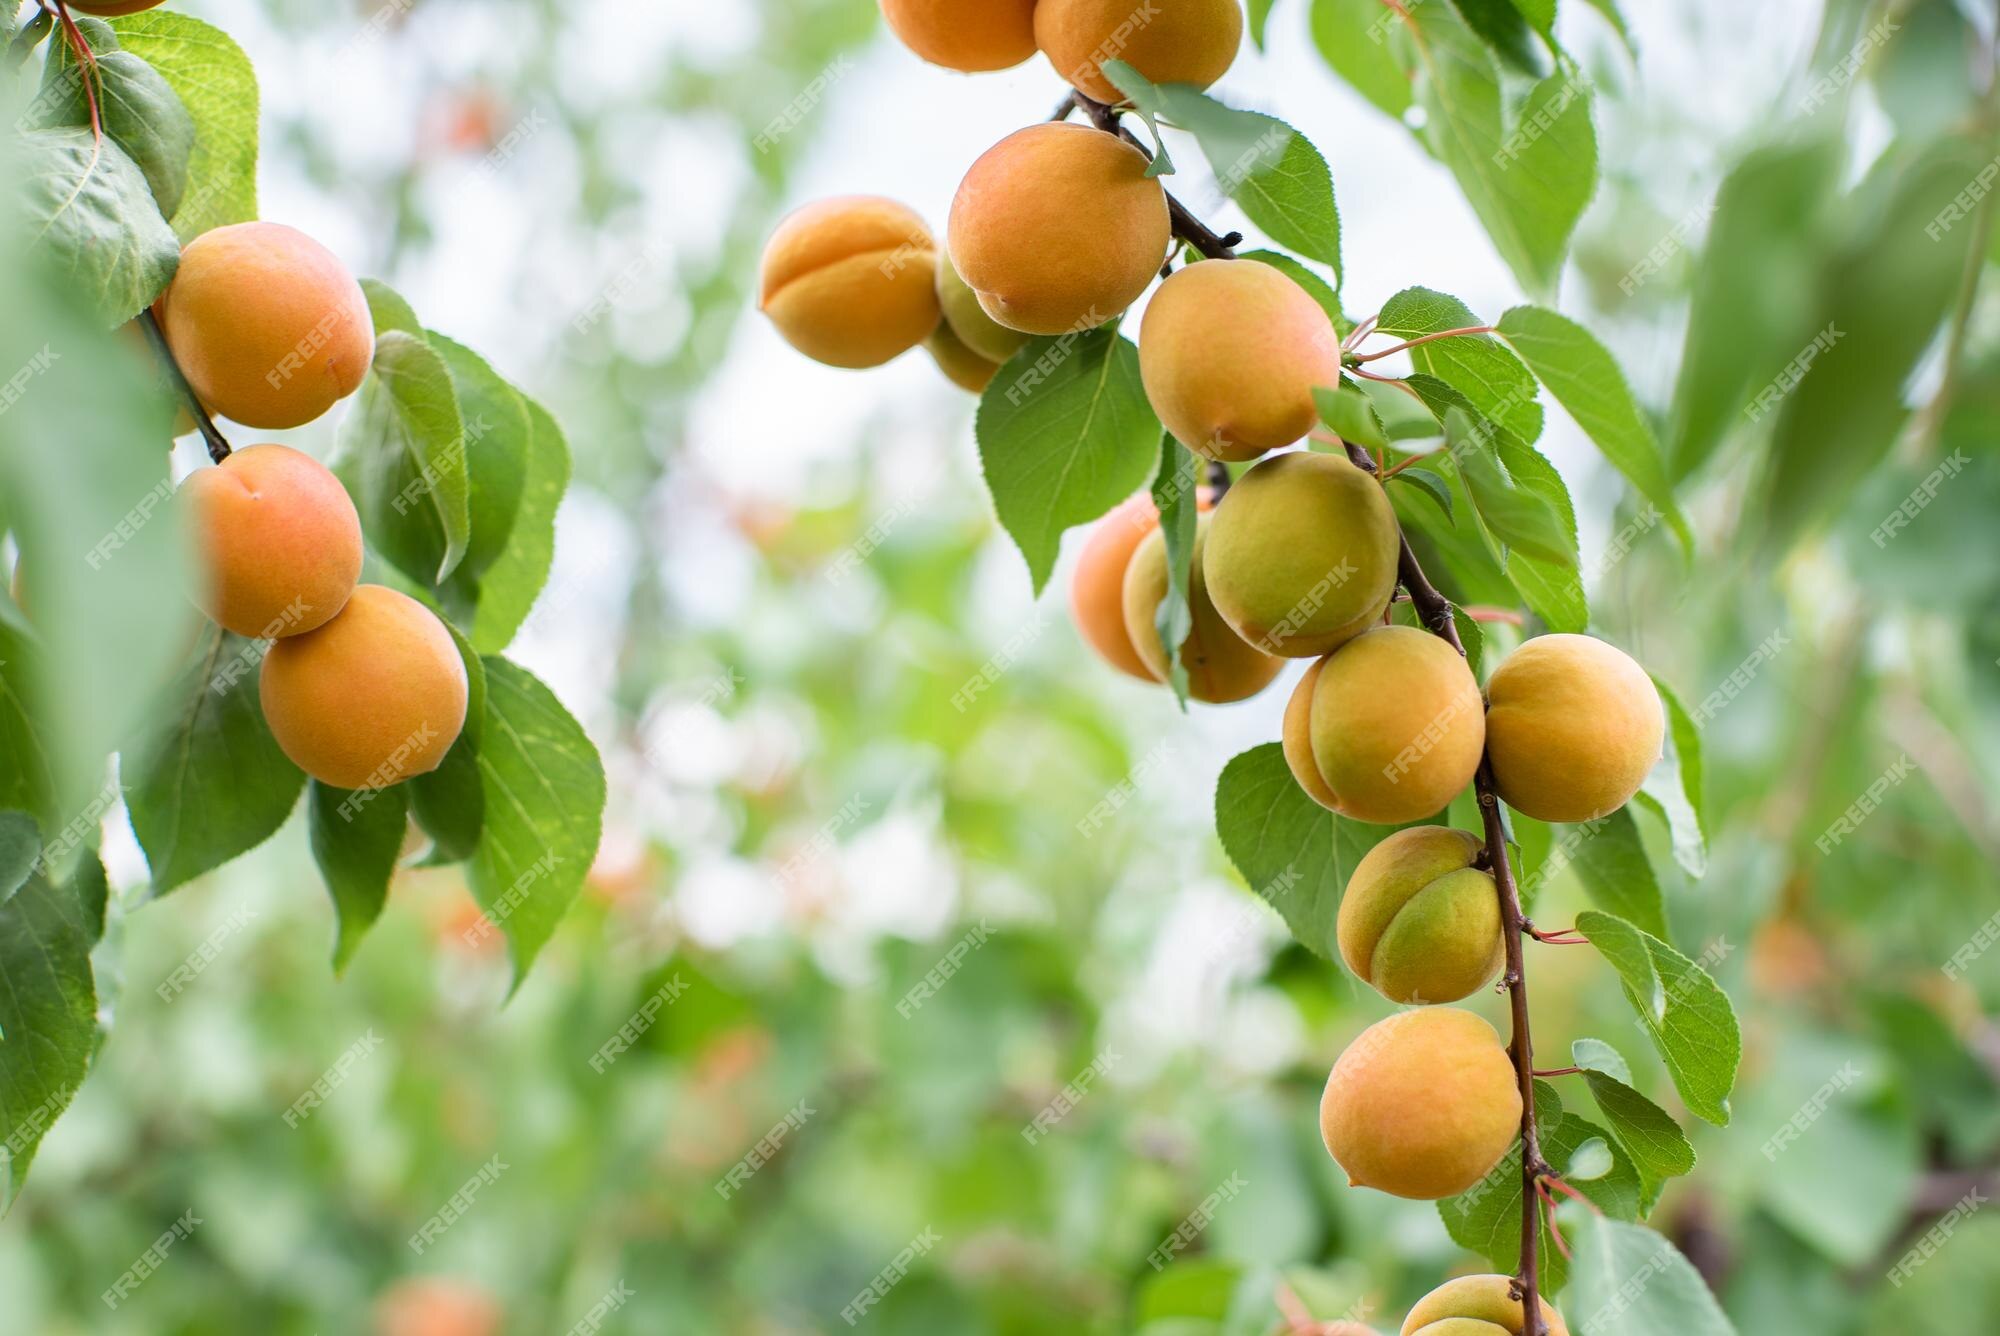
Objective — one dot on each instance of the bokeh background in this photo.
(772, 578)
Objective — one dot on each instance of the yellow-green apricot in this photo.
(1418, 922)
(968, 319)
(1421, 1105)
(961, 366)
(851, 281)
(1220, 666)
(1302, 554)
(1482, 1302)
(1231, 351)
(1395, 727)
(1168, 41)
(1573, 726)
(1058, 228)
(966, 35)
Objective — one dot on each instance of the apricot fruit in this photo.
(1057, 228)
(851, 281)
(968, 319)
(373, 697)
(268, 325)
(279, 541)
(1480, 1305)
(1421, 1105)
(1419, 923)
(960, 364)
(1390, 729)
(1221, 667)
(1573, 726)
(1302, 554)
(966, 35)
(1097, 588)
(1230, 352)
(1169, 41)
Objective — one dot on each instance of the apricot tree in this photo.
(1406, 816)
(205, 643)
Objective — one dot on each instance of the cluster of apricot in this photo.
(362, 685)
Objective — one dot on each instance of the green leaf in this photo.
(1884, 296)
(1271, 170)
(389, 311)
(1610, 860)
(1587, 381)
(1673, 791)
(210, 782)
(356, 836)
(543, 790)
(139, 110)
(1527, 167)
(1681, 1008)
(1349, 414)
(1753, 288)
(1630, 1281)
(510, 586)
(1430, 484)
(27, 773)
(1174, 491)
(1478, 366)
(402, 455)
(48, 1008)
(1503, 26)
(1486, 1218)
(1292, 852)
(1521, 519)
(88, 205)
(448, 802)
(1353, 37)
(1260, 16)
(20, 850)
(1646, 1131)
(218, 87)
(498, 435)
(1615, 16)
(1065, 433)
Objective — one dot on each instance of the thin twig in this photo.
(1408, 344)
(1185, 225)
(218, 448)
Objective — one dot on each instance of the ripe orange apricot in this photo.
(269, 326)
(1392, 728)
(1478, 1305)
(1573, 727)
(1231, 351)
(1058, 228)
(851, 281)
(1168, 41)
(1421, 1105)
(279, 540)
(1221, 666)
(1097, 589)
(373, 697)
(966, 35)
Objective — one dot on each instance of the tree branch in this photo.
(1185, 225)
(1435, 611)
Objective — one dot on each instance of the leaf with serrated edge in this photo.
(1685, 1013)
(402, 455)
(508, 590)
(217, 84)
(1647, 1132)
(1065, 433)
(1630, 1281)
(88, 205)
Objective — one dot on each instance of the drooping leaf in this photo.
(1353, 37)
(209, 782)
(1647, 1132)
(1349, 414)
(1065, 433)
(1630, 1281)
(218, 86)
(450, 801)
(510, 586)
(356, 836)
(137, 107)
(402, 455)
(1491, 378)
(1174, 490)
(1611, 863)
(48, 1007)
(88, 205)
(1684, 1012)
(1673, 791)
(1587, 381)
(1521, 519)
(27, 774)
(498, 434)
(543, 791)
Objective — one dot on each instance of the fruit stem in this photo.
(1185, 225)
(218, 448)
(1559, 1071)
(1408, 344)
(1218, 479)
(1434, 610)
